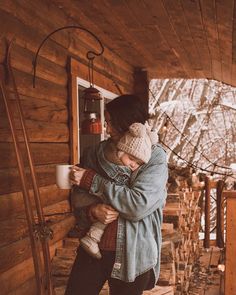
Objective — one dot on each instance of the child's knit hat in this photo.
(138, 141)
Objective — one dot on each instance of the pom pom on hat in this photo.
(138, 142)
(138, 130)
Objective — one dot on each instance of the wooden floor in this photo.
(158, 290)
(208, 280)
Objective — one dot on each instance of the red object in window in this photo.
(92, 124)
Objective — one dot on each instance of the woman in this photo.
(131, 243)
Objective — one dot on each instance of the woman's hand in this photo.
(76, 175)
(104, 213)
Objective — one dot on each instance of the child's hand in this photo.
(104, 213)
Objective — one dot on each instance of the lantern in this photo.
(92, 122)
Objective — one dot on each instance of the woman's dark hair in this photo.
(125, 110)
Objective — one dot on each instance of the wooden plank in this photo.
(10, 180)
(52, 131)
(20, 274)
(32, 122)
(17, 252)
(37, 109)
(152, 39)
(158, 18)
(192, 12)
(42, 154)
(12, 204)
(230, 263)
(29, 287)
(32, 15)
(116, 30)
(73, 10)
(16, 228)
(74, 42)
(224, 15)
(44, 89)
(22, 60)
(39, 132)
(29, 38)
(160, 290)
(208, 11)
(81, 71)
(181, 27)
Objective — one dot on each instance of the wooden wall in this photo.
(46, 113)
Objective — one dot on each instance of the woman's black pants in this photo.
(89, 274)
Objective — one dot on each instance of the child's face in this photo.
(130, 161)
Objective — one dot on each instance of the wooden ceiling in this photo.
(169, 38)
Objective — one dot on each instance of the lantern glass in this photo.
(92, 122)
(91, 97)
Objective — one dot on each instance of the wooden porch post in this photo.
(141, 84)
(73, 111)
(220, 215)
(230, 262)
(207, 213)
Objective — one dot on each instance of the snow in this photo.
(204, 111)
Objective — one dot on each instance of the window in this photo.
(85, 140)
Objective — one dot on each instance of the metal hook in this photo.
(90, 54)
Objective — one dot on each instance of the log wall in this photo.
(47, 119)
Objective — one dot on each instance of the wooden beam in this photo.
(73, 115)
(224, 17)
(141, 85)
(207, 213)
(230, 264)
(220, 215)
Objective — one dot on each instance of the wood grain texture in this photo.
(171, 39)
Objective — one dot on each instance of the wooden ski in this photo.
(39, 232)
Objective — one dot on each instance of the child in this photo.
(133, 150)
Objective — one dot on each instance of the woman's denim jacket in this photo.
(140, 205)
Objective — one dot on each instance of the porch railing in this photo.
(214, 213)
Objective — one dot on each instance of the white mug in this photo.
(62, 176)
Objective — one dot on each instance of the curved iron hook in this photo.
(90, 54)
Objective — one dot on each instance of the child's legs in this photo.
(80, 199)
(97, 229)
(90, 241)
